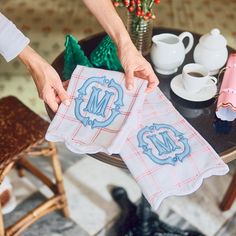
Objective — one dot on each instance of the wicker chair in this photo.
(22, 136)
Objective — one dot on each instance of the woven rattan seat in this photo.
(21, 136)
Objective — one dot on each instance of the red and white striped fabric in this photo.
(163, 152)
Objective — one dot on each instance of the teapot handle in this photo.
(190, 43)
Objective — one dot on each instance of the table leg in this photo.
(230, 195)
(140, 220)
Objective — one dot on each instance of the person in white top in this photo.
(13, 43)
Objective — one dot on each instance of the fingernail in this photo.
(67, 102)
(148, 90)
(130, 87)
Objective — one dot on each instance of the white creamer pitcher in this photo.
(168, 51)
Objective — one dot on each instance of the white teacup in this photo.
(196, 77)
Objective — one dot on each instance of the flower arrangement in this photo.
(141, 8)
(139, 21)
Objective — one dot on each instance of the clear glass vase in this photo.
(140, 31)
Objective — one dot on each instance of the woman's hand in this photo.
(47, 80)
(134, 64)
(132, 61)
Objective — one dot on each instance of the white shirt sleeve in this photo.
(12, 40)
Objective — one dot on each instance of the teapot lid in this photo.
(213, 40)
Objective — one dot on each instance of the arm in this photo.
(12, 41)
(12, 44)
(45, 77)
(133, 62)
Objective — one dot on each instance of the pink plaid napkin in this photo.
(165, 154)
(101, 113)
(226, 105)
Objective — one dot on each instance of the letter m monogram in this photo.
(166, 146)
(94, 105)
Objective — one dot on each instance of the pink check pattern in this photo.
(160, 181)
(65, 127)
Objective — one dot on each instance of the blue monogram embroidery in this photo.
(96, 107)
(98, 101)
(163, 144)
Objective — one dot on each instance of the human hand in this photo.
(65, 84)
(134, 64)
(47, 80)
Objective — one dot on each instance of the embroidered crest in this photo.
(91, 105)
(163, 144)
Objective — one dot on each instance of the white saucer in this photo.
(203, 95)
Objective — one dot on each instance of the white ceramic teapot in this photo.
(211, 51)
(168, 51)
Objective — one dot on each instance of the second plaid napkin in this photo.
(165, 154)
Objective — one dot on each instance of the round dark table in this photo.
(201, 115)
